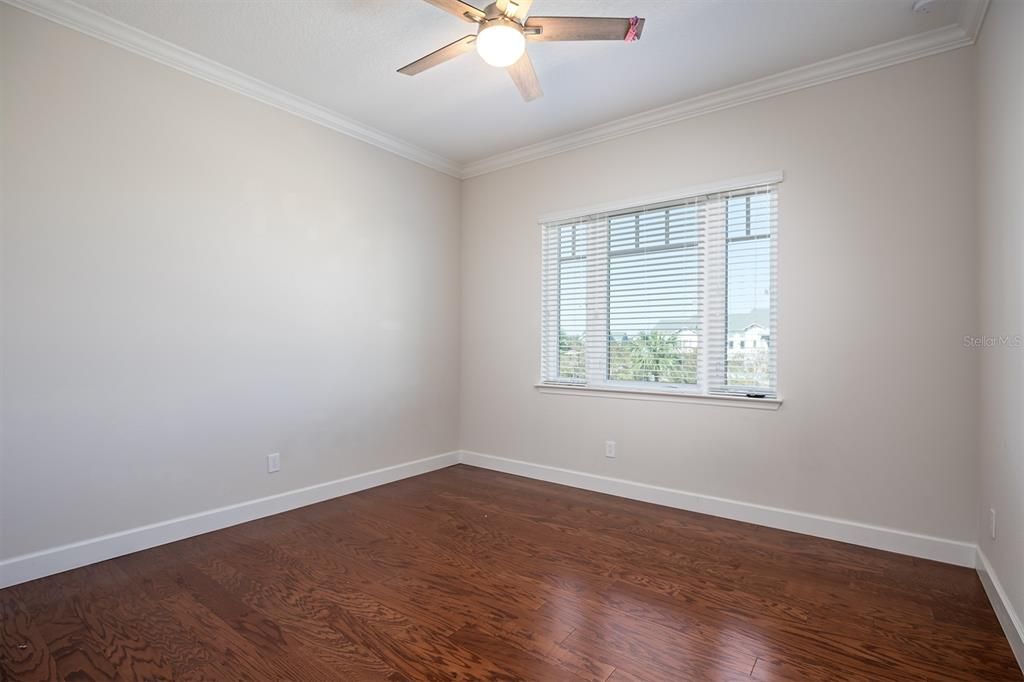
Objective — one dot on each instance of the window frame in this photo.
(700, 392)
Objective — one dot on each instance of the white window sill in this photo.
(664, 396)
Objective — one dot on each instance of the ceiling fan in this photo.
(502, 32)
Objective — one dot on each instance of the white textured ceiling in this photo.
(343, 54)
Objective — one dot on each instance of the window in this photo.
(674, 297)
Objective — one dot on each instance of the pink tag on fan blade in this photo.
(631, 36)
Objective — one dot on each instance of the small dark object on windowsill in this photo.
(756, 395)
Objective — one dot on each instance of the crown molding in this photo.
(972, 14)
(950, 37)
(92, 23)
(116, 33)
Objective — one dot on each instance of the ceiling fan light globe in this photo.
(500, 44)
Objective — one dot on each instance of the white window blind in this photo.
(679, 296)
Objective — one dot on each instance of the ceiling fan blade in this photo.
(517, 9)
(450, 51)
(462, 10)
(579, 28)
(525, 78)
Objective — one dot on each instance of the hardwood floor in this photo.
(471, 574)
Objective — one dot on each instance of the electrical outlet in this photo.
(992, 515)
(609, 449)
(273, 462)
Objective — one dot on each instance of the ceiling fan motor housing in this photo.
(492, 12)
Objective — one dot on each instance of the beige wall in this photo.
(1001, 222)
(192, 280)
(877, 289)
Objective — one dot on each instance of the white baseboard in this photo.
(1013, 627)
(47, 562)
(877, 537)
(889, 539)
(27, 567)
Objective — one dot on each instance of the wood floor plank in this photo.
(526, 664)
(24, 653)
(90, 625)
(412, 648)
(469, 574)
(653, 657)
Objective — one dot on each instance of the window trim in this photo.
(714, 399)
(696, 396)
(628, 204)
